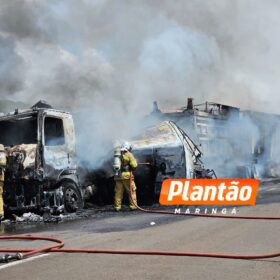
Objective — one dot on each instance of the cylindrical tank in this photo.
(117, 161)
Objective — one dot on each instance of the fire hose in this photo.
(21, 253)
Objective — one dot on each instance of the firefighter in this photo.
(127, 164)
(3, 162)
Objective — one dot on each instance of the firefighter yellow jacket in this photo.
(129, 163)
(3, 161)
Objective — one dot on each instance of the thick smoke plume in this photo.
(106, 61)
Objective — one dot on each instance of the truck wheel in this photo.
(72, 197)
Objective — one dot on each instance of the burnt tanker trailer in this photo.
(235, 143)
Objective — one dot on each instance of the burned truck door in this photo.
(170, 153)
(58, 142)
(171, 156)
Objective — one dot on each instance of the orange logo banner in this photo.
(209, 192)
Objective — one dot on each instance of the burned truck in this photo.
(41, 172)
(163, 151)
(235, 142)
(170, 153)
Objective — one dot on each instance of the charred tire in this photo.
(72, 197)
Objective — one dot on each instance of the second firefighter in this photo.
(124, 164)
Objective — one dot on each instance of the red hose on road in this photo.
(30, 252)
(27, 252)
(208, 215)
(199, 215)
(57, 248)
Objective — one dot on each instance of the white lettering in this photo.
(213, 191)
(232, 195)
(197, 193)
(214, 210)
(245, 193)
(172, 191)
(221, 188)
(186, 190)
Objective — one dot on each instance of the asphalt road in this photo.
(133, 230)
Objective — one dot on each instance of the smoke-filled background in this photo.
(107, 60)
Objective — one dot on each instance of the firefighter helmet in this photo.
(126, 147)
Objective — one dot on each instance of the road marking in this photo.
(272, 189)
(269, 189)
(275, 189)
(22, 261)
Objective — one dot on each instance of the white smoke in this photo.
(175, 62)
(106, 61)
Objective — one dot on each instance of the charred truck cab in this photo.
(41, 172)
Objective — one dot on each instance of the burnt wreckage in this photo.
(170, 153)
(236, 143)
(42, 175)
(41, 171)
(163, 151)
